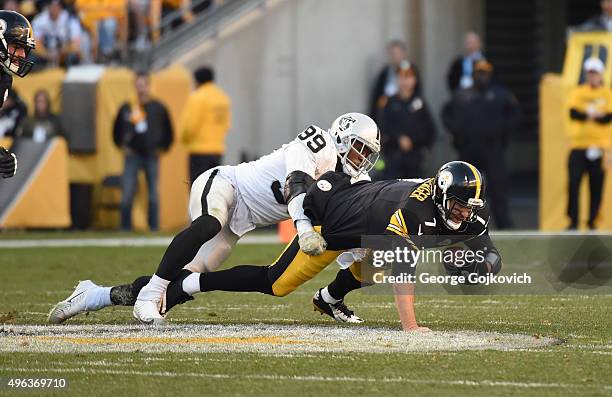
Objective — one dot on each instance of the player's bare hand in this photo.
(418, 328)
(312, 243)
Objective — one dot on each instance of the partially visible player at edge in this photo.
(228, 201)
(16, 42)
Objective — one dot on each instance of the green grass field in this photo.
(34, 279)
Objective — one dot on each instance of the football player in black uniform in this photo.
(430, 213)
(16, 42)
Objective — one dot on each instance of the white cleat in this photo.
(147, 312)
(73, 305)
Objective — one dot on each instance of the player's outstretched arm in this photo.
(404, 302)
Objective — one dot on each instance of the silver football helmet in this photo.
(357, 133)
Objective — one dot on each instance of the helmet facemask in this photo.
(366, 156)
(16, 63)
(449, 204)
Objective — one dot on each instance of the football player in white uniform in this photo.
(228, 201)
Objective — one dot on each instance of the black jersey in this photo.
(406, 208)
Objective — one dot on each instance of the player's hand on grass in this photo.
(312, 243)
(417, 328)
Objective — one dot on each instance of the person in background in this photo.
(479, 119)
(142, 130)
(460, 72)
(599, 22)
(12, 114)
(590, 112)
(386, 84)
(206, 121)
(43, 125)
(58, 36)
(406, 127)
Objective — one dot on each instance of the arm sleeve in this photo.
(168, 136)
(575, 114)
(117, 127)
(299, 158)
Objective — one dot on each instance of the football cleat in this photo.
(148, 311)
(338, 311)
(73, 305)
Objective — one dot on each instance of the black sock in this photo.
(245, 278)
(344, 283)
(185, 246)
(125, 295)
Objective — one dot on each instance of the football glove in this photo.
(8, 163)
(312, 243)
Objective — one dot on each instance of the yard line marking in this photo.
(122, 242)
(317, 378)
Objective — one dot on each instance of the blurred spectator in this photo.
(142, 130)
(479, 119)
(591, 113)
(599, 22)
(406, 127)
(11, 5)
(162, 8)
(206, 120)
(43, 125)
(58, 36)
(460, 71)
(12, 114)
(106, 20)
(386, 81)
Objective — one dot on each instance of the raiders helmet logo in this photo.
(345, 123)
(445, 179)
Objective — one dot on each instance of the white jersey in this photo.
(260, 183)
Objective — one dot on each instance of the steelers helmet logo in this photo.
(2, 27)
(445, 179)
(324, 185)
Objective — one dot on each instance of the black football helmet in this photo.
(462, 182)
(16, 42)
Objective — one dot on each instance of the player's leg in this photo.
(88, 297)
(289, 271)
(210, 256)
(211, 199)
(330, 300)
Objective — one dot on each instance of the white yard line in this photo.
(315, 378)
(255, 239)
(121, 242)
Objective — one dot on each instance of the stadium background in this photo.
(287, 64)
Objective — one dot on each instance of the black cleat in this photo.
(337, 311)
(175, 294)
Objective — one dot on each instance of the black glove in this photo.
(8, 163)
(6, 81)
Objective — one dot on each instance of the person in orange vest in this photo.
(206, 121)
(590, 111)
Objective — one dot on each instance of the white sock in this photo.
(327, 297)
(154, 289)
(97, 298)
(191, 283)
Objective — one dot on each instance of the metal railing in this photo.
(206, 24)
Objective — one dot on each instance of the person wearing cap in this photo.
(479, 119)
(590, 111)
(206, 120)
(407, 128)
